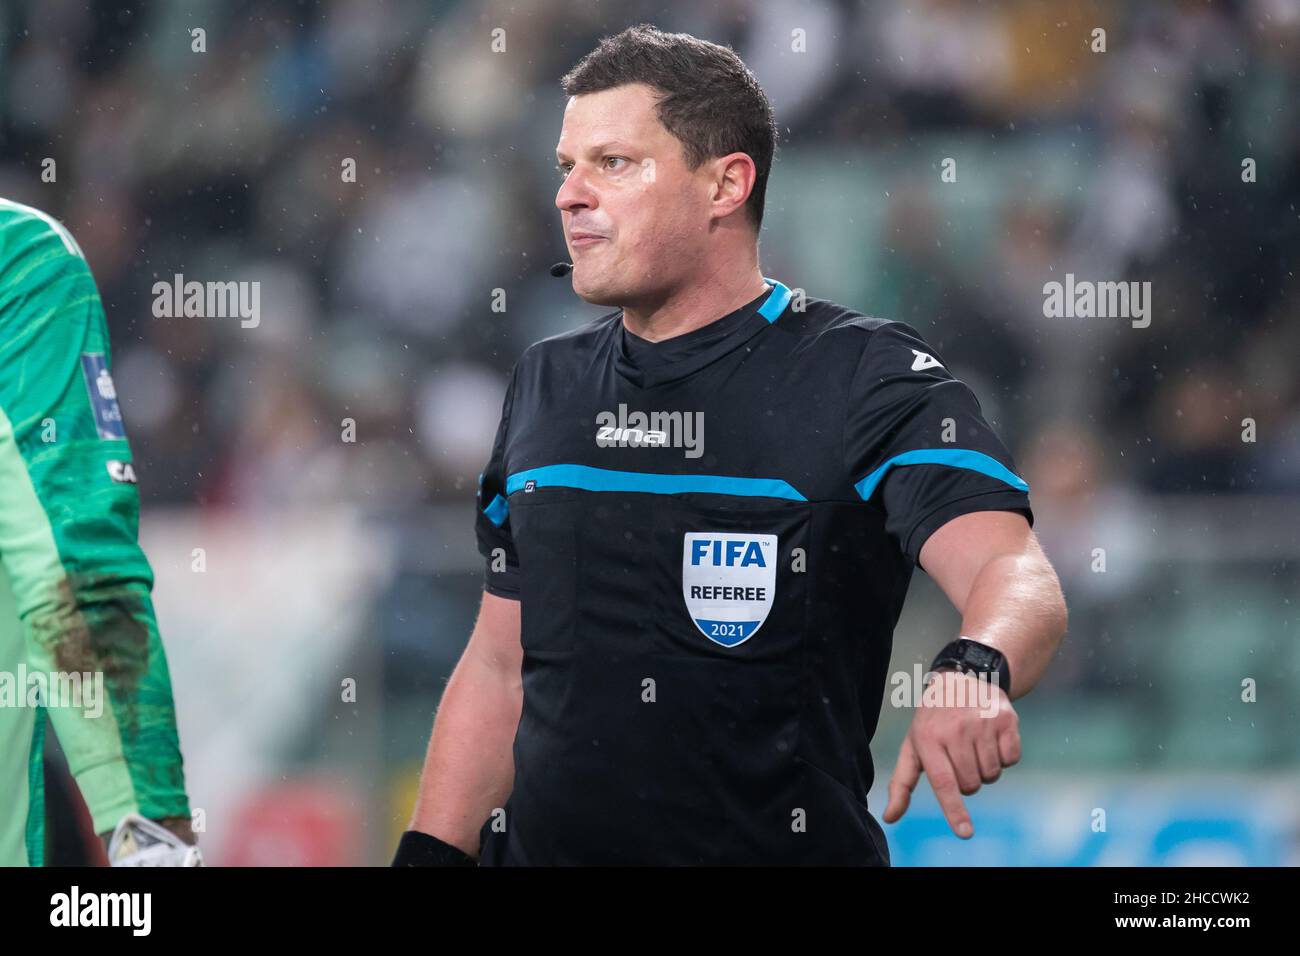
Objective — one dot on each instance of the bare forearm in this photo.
(469, 766)
(1015, 604)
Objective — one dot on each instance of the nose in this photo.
(575, 192)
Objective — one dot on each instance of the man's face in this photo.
(635, 218)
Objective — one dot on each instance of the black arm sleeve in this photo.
(916, 442)
(492, 514)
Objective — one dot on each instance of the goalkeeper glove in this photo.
(140, 842)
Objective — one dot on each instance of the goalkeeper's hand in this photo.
(141, 842)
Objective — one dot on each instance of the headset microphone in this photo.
(561, 269)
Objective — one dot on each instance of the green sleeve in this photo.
(69, 511)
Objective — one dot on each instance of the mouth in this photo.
(580, 240)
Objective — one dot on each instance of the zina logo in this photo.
(651, 430)
(728, 581)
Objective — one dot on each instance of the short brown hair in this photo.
(710, 100)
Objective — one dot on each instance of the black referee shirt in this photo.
(712, 537)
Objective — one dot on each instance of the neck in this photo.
(695, 306)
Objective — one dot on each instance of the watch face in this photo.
(969, 657)
(981, 655)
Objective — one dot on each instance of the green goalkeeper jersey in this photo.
(74, 584)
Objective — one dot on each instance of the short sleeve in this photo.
(917, 444)
(492, 513)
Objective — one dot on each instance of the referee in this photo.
(700, 518)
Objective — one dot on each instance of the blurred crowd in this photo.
(1120, 163)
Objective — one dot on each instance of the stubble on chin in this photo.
(598, 292)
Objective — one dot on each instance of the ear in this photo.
(734, 176)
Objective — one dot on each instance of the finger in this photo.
(986, 753)
(961, 754)
(906, 774)
(1009, 747)
(943, 781)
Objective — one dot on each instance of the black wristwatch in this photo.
(972, 657)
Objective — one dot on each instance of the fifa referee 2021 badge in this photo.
(700, 517)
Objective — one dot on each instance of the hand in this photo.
(963, 734)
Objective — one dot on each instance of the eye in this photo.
(563, 169)
(607, 159)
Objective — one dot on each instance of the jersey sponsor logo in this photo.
(924, 361)
(624, 429)
(728, 581)
(611, 435)
(121, 471)
(103, 396)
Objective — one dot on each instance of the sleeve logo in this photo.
(923, 361)
(121, 472)
(103, 396)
